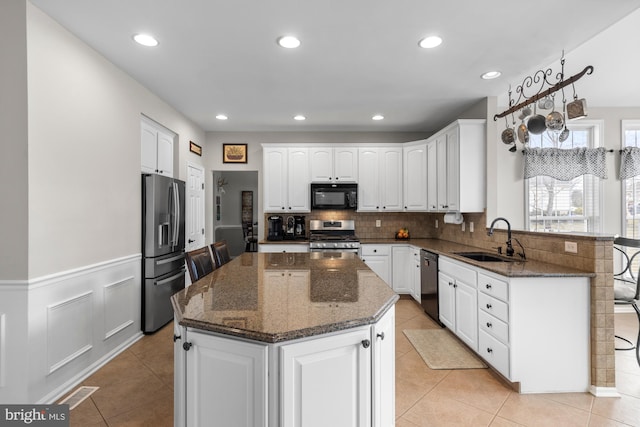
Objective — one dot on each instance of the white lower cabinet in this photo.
(339, 379)
(457, 298)
(378, 259)
(533, 330)
(400, 269)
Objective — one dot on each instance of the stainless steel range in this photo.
(333, 236)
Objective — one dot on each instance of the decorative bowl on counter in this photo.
(402, 234)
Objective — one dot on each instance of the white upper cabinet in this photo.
(415, 177)
(432, 176)
(156, 150)
(286, 179)
(334, 164)
(380, 179)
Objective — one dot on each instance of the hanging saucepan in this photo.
(536, 123)
(508, 135)
(554, 121)
(523, 133)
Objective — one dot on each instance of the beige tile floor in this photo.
(136, 389)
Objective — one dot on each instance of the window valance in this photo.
(629, 162)
(565, 164)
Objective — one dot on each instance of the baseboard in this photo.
(77, 379)
(603, 391)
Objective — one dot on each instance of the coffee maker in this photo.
(289, 228)
(299, 227)
(275, 228)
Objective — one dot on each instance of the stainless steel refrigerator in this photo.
(162, 248)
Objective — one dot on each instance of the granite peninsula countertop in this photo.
(275, 297)
(529, 268)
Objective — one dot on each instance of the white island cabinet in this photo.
(259, 345)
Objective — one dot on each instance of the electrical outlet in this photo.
(436, 223)
(471, 227)
(463, 226)
(378, 223)
(571, 247)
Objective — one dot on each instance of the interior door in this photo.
(195, 208)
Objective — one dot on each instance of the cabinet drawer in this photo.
(494, 326)
(492, 286)
(457, 271)
(493, 306)
(494, 352)
(368, 250)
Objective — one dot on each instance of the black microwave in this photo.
(334, 196)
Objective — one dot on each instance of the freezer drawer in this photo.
(156, 307)
(159, 266)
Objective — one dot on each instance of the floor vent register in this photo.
(78, 396)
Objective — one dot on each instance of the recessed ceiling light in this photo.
(491, 75)
(290, 42)
(221, 117)
(377, 117)
(299, 117)
(430, 42)
(145, 40)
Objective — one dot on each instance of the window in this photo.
(565, 206)
(631, 186)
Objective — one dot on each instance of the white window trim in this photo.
(624, 124)
(597, 127)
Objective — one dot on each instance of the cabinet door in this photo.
(321, 164)
(453, 170)
(415, 178)
(148, 148)
(179, 373)
(165, 154)
(380, 265)
(384, 384)
(327, 382)
(446, 300)
(390, 179)
(226, 382)
(432, 176)
(368, 190)
(441, 143)
(345, 164)
(402, 273)
(299, 195)
(275, 179)
(416, 286)
(466, 314)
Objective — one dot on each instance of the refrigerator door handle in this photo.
(178, 219)
(170, 279)
(174, 231)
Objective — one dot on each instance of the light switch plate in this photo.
(471, 227)
(571, 247)
(378, 223)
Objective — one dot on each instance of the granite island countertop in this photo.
(275, 297)
(517, 268)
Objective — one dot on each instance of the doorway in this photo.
(228, 207)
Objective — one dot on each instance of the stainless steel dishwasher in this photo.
(429, 284)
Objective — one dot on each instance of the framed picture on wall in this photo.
(234, 153)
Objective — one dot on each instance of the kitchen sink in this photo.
(484, 257)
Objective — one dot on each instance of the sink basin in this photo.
(484, 257)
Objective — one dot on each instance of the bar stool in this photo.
(626, 286)
(220, 252)
(199, 263)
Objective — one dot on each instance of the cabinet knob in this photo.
(176, 337)
(489, 306)
(186, 346)
(450, 283)
(377, 207)
(366, 343)
(381, 335)
(489, 350)
(289, 207)
(405, 207)
(489, 324)
(375, 250)
(488, 286)
(337, 178)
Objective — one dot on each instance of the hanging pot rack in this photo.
(529, 81)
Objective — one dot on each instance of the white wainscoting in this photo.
(75, 321)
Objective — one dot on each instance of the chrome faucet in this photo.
(510, 250)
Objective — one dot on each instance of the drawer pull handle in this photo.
(489, 324)
(489, 306)
(488, 286)
(489, 350)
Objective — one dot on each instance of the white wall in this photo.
(13, 140)
(84, 151)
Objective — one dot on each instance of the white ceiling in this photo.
(357, 58)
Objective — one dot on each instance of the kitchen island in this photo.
(286, 339)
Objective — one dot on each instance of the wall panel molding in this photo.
(118, 308)
(3, 349)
